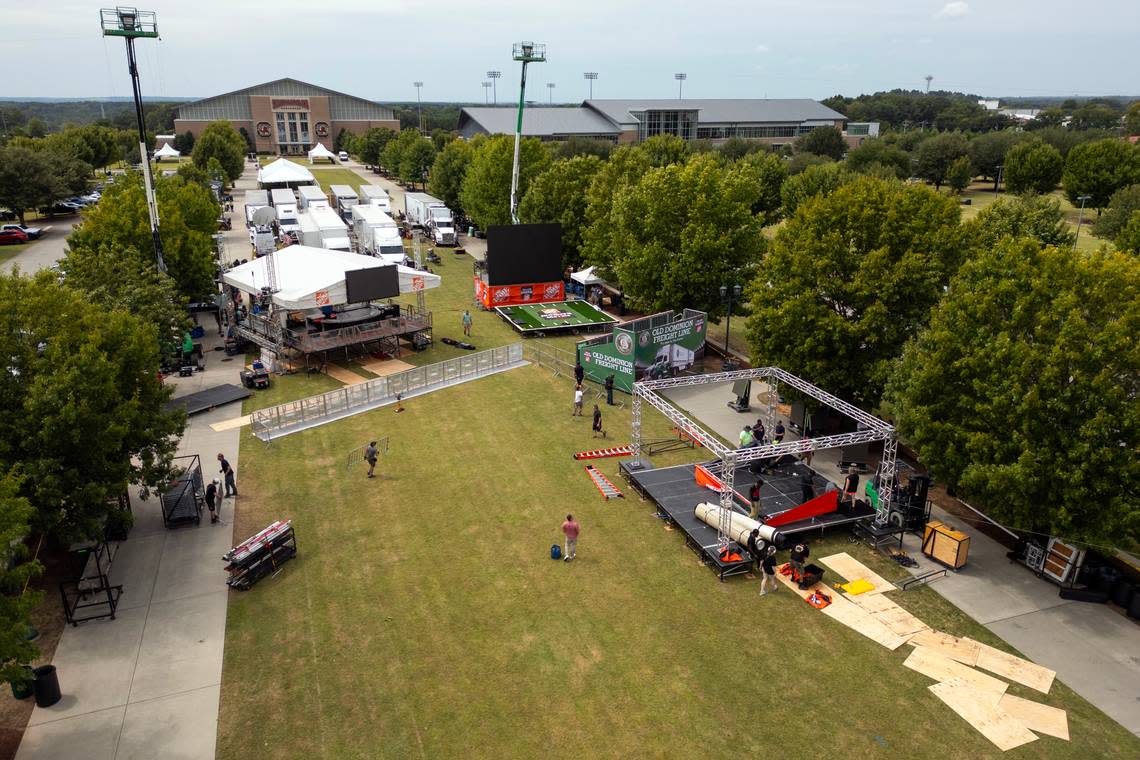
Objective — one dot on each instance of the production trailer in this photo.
(312, 196)
(374, 195)
(254, 199)
(322, 228)
(285, 203)
(344, 197)
(377, 234)
(432, 215)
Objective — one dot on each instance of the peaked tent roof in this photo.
(167, 152)
(303, 271)
(320, 151)
(284, 171)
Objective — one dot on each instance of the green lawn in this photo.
(981, 195)
(581, 313)
(423, 618)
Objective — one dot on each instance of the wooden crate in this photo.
(945, 545)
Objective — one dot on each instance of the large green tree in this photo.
(221, 141)
(769, 174)
(935, 156)
(988, 151)
(822, 141)
(960, 174)
(1121, 206)
(486, 191)
(683, 231)
(26, 180)
(1024, 392)
(662, 150)
(1128, 239)
(188, 217)
(1098, 169)
(15, 571)
(849, 279)
(559, 195)
(817, 180)
(1132, 119)
(1033, 167)
(1027, 216)
(371, 143)
(449, 169)
(82, 411)
(879, 152)
(626, 166)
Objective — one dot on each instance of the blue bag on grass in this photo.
(555, 551)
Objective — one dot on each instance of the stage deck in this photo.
(572, 315)
(203, 401)
(676, 493)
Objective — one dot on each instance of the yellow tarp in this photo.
(858, 586)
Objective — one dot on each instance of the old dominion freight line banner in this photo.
(660, 345)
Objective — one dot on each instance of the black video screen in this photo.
(522, 253)
(372, 284)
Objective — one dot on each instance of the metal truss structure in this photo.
(870, 429)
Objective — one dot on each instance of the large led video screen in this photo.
(372, 284)
(523, 253)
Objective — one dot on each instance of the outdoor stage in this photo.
(557, 316)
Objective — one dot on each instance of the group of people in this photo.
(765, 559)
(756, 435)
(213, 497)
(579, 394)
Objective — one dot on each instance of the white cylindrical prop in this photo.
(739, 525)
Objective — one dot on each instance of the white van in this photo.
(343, 155)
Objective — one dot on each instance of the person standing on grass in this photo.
(755, 545)
(466, 322)
(610, 389)
(228, 473)
(579, 372)
(754, 499)
(598, 422)
(211, 498)
(570, 529)
(577, 401)
(768, 571)
(371, 454)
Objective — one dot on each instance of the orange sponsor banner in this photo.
(513, 295)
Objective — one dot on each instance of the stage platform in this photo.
(203, 401)
(676, 493)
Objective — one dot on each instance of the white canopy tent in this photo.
(586, 277)
(285, 173)
(308, 278)
(320, 151)
(166, 152)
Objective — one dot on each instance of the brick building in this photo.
(286, 116)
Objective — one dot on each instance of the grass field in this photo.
(423, 618)
(530, 316)
(325, 174)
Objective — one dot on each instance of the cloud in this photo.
(763, 49)
(955, 9)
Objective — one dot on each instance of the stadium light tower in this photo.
(590, 76)
(680, 77)
(494, 77)
(486, 92)
(131, 23)
(419, 106)
(524, 52)
(550, 93)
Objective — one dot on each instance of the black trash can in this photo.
(1122, 593)
(46, 685)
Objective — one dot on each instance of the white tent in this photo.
(284, 172)
(166, 152)
(586, 277)
(308, 278)
(320, 151)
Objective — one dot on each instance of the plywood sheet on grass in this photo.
(900, 622)
(802, 594)
(1005, 731)
(851, 569)
(874, 602)
(934, 665)
(385, 367)
(1015, 668)
(964, 651)
(1036, 716)
(236, 422)
(863, 622)
(345, 376)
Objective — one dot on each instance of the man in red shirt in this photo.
(570, 529)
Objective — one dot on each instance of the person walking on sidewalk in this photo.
(610, 389)
(211, 498)
(228, 473)
(571, 529)
(577, 401)
(371, 454)
(466, 322)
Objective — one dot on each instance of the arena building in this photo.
(286, 116)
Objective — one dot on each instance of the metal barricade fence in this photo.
(292, 416)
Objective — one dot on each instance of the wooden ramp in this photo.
(236, 422)
(852, 569)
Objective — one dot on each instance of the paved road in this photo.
(48, 249)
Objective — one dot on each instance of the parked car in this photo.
(12, 237)
(7, 216)
(33, 233)
(62, 207)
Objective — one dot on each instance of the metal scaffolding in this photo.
(870, 429)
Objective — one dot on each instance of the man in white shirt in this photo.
(577, 401)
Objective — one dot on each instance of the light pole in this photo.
(727, 296)
(130, 23)
(590, 76)
(550, 93)
(680, 77)
(1080, 218)
(419, 106)
(494, 77)
(487, 93)
(524, 52)
(997, 179)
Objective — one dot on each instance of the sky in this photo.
(728, 49)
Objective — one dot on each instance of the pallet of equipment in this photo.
(260, 554)
(617, 451)
(605, 487)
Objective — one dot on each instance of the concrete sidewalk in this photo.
(148, 683)
(1093, 649)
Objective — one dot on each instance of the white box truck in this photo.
(377, 234)
(309, 231)
(432, 215)
(374, 195)
(333, 230)
(312, 196)
(344, 198)
(254, 199)
(285, 203)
